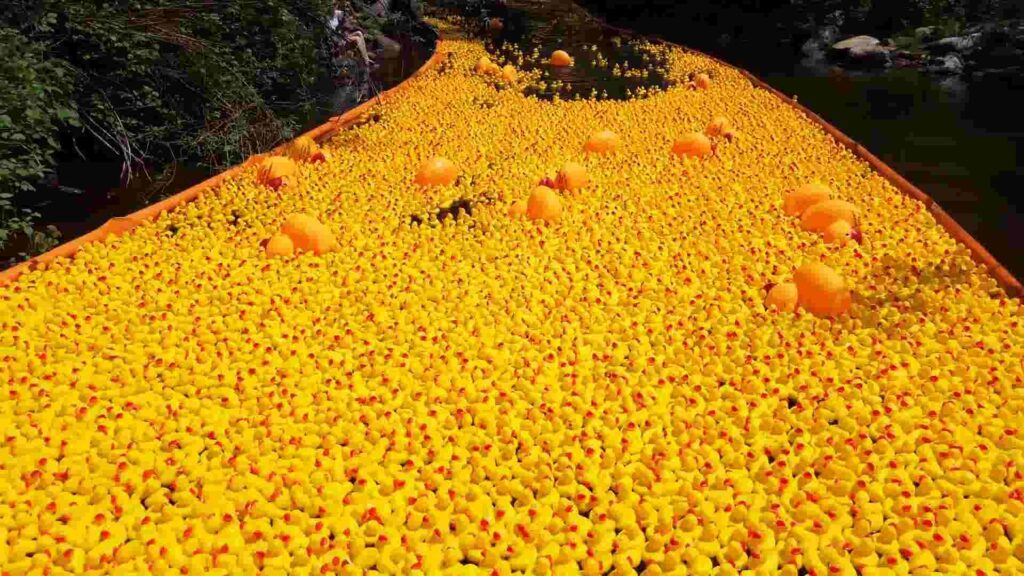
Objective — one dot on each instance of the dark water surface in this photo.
(960, 139)
(539, 27)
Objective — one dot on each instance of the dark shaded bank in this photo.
(958, 138)
(606, 65)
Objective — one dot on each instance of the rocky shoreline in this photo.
(994, 47)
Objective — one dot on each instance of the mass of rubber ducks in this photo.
(585, 376)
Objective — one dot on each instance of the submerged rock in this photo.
(948, 64)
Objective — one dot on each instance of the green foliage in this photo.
(35, 103)
(162, 78)
(148, 81)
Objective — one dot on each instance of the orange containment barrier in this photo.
(1007, 280)
(123, 224)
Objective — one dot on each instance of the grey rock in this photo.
(982, 28)
(955, 44)
(379, 8)
(820, 40)
(828, 34)
(861, 51)
(948, 64)
(986, 46)
(836, 18)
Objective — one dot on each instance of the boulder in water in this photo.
(861, 50)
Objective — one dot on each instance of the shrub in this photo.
(35, 104)
(149, 81)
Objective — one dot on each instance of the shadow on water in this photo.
(958, 138)
(606, 64)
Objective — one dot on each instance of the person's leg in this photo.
(360, 42)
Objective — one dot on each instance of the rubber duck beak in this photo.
(768, 287)
(857, 236)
